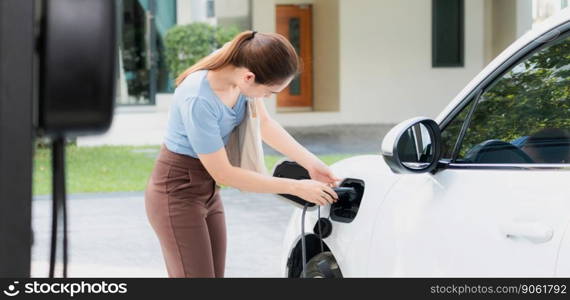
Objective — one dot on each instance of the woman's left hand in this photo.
(318, 170)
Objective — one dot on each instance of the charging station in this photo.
(57, 79)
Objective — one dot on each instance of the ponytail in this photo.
(271, 57)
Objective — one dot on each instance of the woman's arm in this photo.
(278, 138)
(274, 135)
(218, 166)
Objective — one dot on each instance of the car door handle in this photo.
(532, 231)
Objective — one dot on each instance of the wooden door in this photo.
(295, 23)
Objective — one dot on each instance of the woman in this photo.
(182, 197)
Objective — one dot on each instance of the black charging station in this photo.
(57, 79)
(77, 55)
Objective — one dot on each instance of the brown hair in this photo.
(270, 56)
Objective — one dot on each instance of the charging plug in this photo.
(346, 193)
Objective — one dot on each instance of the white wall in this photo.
(524, 16)
(231, 8)
(183, 15)
(189, 11)
(543, 9)
(386, 73)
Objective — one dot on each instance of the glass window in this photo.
(447, 33)
(450, 133)
(210, 9)
(295, 38)
(524, 116)
(141, 59)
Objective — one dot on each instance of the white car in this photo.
(481, 191)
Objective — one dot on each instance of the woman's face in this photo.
(251, 89)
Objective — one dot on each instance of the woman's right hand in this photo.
(315, 192)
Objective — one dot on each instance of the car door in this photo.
(500, 201)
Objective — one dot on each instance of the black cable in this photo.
(64, 207)
(303, 248)
(320, 232)
(53, 217)
(59, 202)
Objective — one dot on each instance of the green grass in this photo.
(112, 168)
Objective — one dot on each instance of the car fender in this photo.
(349, 242)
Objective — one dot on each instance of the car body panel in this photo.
(563, 262)
(510, 223)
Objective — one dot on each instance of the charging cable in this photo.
(319, 226)
(303, 247)
(58, 203)
(348, 193)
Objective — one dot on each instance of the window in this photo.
(524, 115)
(295, 39)
(450, 133)
(210, 9)
(447, 33)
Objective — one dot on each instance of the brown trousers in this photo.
(184, 208)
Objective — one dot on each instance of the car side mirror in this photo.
(413, 146)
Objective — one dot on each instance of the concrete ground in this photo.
(334, 139)
(109, 235)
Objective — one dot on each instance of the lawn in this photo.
(111, 168)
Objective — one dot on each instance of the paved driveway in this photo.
(110, 236)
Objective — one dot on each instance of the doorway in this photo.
(295, 23)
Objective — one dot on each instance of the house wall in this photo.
(189, 11)
(386, 68)
(326, 61)
(183, 12)
(509, 19)
(233, 13)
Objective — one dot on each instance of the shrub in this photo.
(186, 44)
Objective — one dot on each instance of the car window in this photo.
(450, 133)
(524, 116)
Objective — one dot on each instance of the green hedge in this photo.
(186, 44)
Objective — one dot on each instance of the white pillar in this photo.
(524, 16)
(183, 12)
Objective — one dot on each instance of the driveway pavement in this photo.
(109, 235)
(333, 139)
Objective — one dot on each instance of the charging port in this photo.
(350, 191)
(350, 194)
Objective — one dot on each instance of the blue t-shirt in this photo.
(199, 122)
